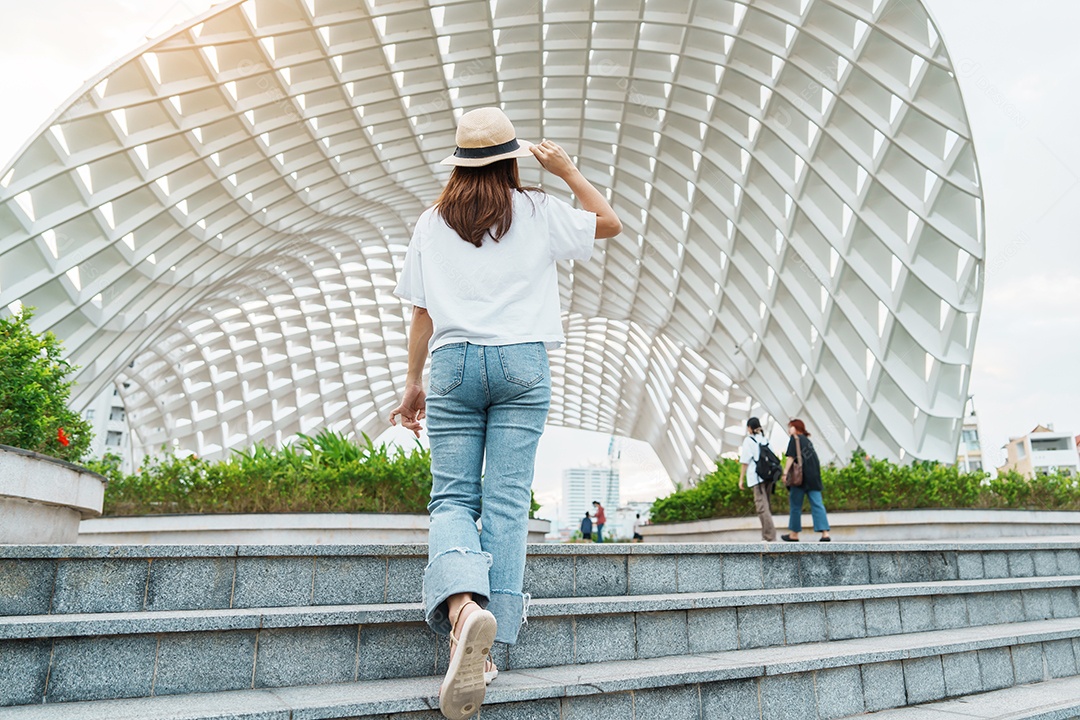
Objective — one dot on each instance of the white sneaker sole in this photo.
(464, 687)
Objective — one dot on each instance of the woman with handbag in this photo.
(802, 476)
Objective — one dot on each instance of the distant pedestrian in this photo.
(600, 518)
(800, 448)
(586, 527)
(637, 528)
(752, 447)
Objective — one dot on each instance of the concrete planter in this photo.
(886, 525)
(268, 529)
(42, 499)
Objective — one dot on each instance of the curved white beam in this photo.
(218, 219)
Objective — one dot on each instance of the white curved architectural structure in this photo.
(216, 222)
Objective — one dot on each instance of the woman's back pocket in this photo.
(447, 368)
(524, 364)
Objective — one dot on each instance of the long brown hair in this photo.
(479, 201)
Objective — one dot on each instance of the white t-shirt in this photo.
(749, 455)
(500, 293)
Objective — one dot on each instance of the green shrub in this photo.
(325, 473)
(715, 495)
(873, 484)
(34, 392)
(1042, 492)
(866, 483)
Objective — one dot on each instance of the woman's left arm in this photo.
(413, 407)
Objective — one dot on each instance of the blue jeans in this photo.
(817, 509)
(598, 536)
(484, 401)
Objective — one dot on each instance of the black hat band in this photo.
(484, 152)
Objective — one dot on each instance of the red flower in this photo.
(62, 437)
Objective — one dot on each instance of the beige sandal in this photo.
(463, 689)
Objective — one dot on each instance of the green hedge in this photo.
(872, 484)
(325, 473)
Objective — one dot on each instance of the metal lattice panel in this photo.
(218, 219)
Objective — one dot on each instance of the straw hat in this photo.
(484, 136)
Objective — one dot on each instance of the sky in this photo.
(1020, 77)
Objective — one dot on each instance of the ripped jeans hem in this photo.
(452, 572)
(463, 551)
(526, 600)
(511, 609)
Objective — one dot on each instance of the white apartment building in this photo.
(1042, 451)
(581, 486)
(108, 419)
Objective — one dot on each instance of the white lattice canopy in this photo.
(216, 222)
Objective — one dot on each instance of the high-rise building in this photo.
(108, 420)
(583, 485)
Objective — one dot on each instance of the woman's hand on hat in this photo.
(554, 159)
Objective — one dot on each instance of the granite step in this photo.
(931, 605)
(66, 579)
(1048, 700)
(274, 647)
(831, 679)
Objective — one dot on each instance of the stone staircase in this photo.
(634, 632)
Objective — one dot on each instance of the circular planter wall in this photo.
(42, 499)
(268, 529)
(884, 525)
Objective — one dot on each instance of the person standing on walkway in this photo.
(481, 274)
(586, 527)
(800, 447)
(600, 520)
(748, 475)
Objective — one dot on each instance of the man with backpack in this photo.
(760, 469)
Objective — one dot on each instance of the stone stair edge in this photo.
(908, 646)
(993, 704)
(383, 697)
(22, 627)
(28, 552)
(178, 551)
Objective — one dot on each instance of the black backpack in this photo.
(768, 465)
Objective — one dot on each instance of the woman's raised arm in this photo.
(558, 163)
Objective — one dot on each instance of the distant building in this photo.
(969, 456)
(621, 522)
(108, 419)
(1042, 451)
(583, 485)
